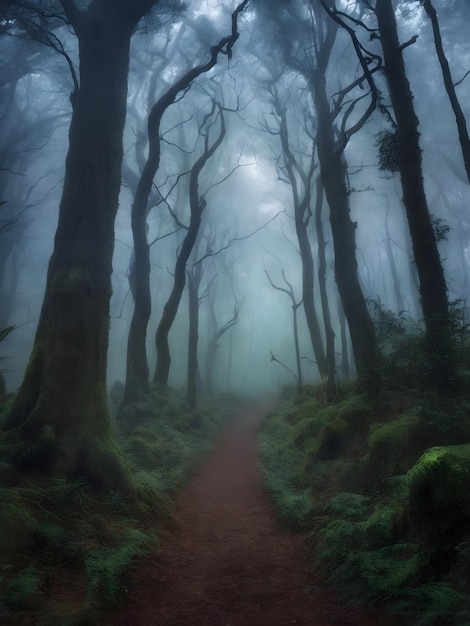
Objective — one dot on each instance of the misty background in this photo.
(247, 238)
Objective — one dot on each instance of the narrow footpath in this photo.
(227, 562)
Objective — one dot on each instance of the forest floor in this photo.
(226, 561)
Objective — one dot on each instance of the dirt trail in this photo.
(227, 562)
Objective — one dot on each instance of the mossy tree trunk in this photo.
(432, 284)
(60, 420)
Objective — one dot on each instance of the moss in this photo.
(382, 524)
(355, 409)
(144, 445)
(309, 428)
(304, 394)
(439, 486)
(334, 439)
(391, 444)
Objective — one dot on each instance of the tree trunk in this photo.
(308, 281)
(301, 202)
(329, 332)
(197, 205)
(432, 284)
(162, 370)
(60, 418)
(296, 344)
(211, 348)
(399, 302)
(345, 372)
(137, 363)
(333, 175)
(194, 280)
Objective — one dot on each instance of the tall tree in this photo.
(60, 420)
(332, 142)
(300, 181)
(137, 365)
(449, 85)
(338, 118)
(197, 204)
(194, 280)
(329, 332)
(432, 284)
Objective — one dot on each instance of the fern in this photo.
(21, 590)
(106, 566)
(388, 568)
(293, 507)
(428, 602)
(381, 524)
(349, 505)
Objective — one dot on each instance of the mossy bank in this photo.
(68, 552)
(381, 489)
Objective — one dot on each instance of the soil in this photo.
(226, 561)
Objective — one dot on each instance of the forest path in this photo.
(227, 562)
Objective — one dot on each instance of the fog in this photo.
(247, 230)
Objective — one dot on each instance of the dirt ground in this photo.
(227, 562)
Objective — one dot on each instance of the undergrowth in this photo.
(67, 553)
(381, 485)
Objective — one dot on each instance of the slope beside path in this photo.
(226, 561)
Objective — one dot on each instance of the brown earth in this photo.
(227, 562)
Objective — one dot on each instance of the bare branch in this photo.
(276, 360)
(234, 239)
(462, 79)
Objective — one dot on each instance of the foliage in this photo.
(388, 151)
(441, 228)
(106, 566)
(56, 530)
(389, 512)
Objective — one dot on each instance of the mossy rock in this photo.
(355, 409)
(391, 444)
(439, 489)
(438, 509)
(307, 410)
